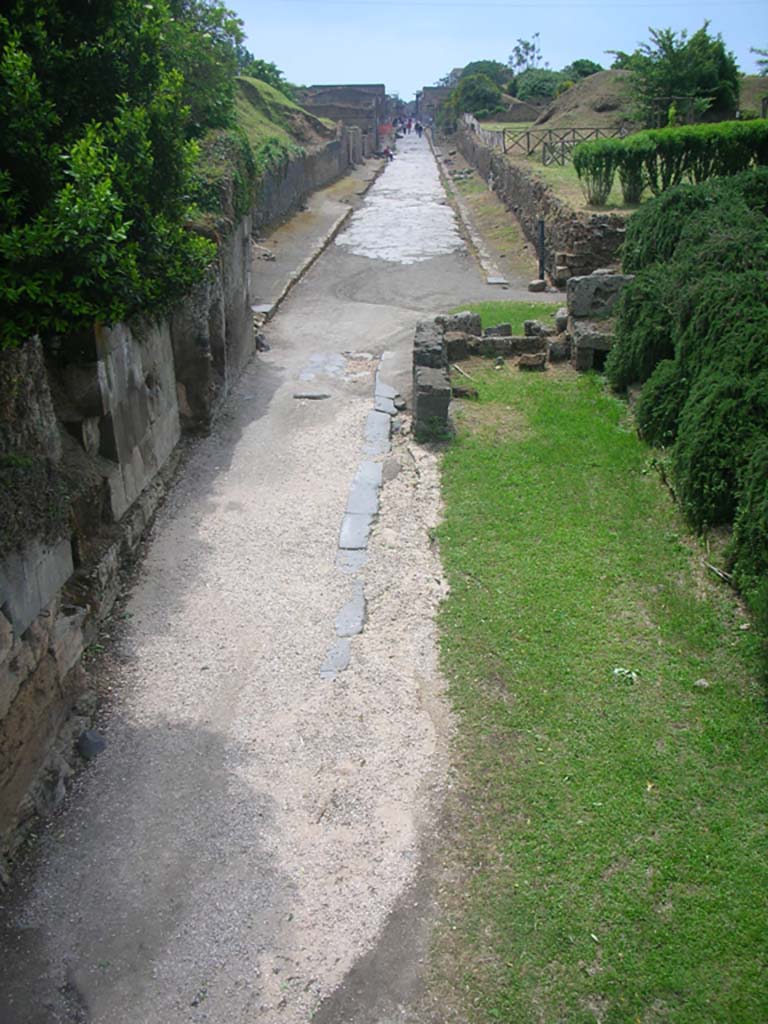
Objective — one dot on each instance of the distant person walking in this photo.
(419, 128)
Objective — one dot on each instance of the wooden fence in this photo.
(554, 144)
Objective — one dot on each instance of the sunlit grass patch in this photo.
(514, 313)
(610, 828)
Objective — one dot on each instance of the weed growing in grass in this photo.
(609, 827)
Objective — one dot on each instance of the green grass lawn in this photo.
(609, 829)
(514, 313)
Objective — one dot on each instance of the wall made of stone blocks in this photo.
(575, 243)
(284, 189)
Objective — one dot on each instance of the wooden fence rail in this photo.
(528, 141)
(555, 144)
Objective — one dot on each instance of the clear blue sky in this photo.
(408, 45)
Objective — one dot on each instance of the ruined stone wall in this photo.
(575, 243)
(85, 450)
(284, 190)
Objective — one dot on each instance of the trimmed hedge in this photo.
(660, 159)
(693, 329)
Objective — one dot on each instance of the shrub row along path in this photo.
(251, 826)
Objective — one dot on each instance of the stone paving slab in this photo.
(355, 531)
(364, 494)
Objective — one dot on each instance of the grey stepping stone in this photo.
(351, 561)
(337, 659)
(364, 495)
(383, 390)
(377, 430)
(384, 405)
(355, 531)
(351, 618)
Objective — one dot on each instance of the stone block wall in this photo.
(284, 189)
(591, 302)
(575, 243)
(102, 437)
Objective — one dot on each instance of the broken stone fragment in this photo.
(532, 361)
(499, 331)
(459, 391)
(536, 329)
(467, 322)
(559, 351)
(90, 744)
(457, 345)
(537, 286)
(595, 294)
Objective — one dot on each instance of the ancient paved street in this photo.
(254, 821)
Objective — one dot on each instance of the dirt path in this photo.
(254, 823)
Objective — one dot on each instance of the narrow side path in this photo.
(252, 824)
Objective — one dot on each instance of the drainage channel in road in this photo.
(361, 512)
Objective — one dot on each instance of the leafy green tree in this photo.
(673, 66)
(581, 69)
(498, 73)
(762, 60)
(526, 54)
(265, 71)
(478, 95)
(100, 103)
(538, 84)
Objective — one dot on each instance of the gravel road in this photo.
(246, 836)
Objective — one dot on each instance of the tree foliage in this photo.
(100, 106)
(526, 54)
(500, 74)
(582, 68)
(673, 66)
(538, 84)
(264, 70)
(475, 94)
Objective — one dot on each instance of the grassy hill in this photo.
(751, 91)
(266, 114)
(599, 101)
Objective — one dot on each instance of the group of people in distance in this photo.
(403, 126)
(408, 125)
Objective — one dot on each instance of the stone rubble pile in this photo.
(582, 333)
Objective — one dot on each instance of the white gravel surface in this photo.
(251, 825)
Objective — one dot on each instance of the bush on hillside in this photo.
(538, 84)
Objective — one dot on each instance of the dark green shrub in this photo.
(644, 329)
(595, 164)
(631, 167)
(661, 402)
(750, 535)
(723, 323)
(663, 158)
(698, 312)
(722, 421)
